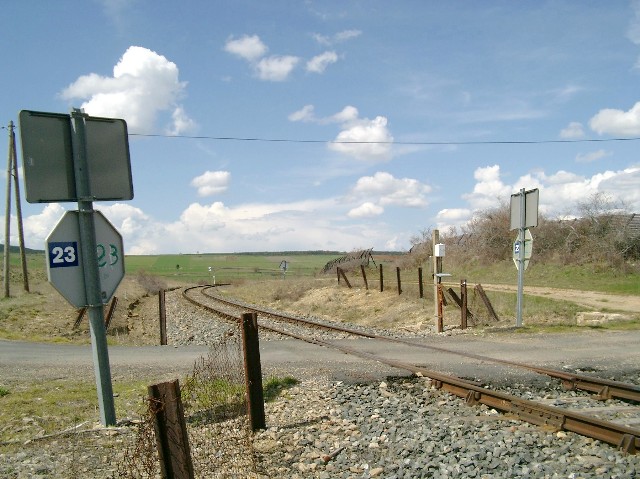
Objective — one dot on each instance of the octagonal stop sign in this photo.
(64, 258)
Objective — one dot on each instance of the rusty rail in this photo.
(625, 438)
(604, 388)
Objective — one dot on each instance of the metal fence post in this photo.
(463, 307)
(253, 371)
(163, 317)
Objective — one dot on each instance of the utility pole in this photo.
(7, 218)
(16, 182)
(12, 172)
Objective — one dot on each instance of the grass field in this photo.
(228, 267)
(194, 268)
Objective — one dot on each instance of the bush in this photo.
(151, 284)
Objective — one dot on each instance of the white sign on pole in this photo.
(64, 262)
(528, 248)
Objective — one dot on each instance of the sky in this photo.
(335, 124)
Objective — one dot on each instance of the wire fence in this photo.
(40, 443)
(215, 411)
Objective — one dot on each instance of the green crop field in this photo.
(228, 267)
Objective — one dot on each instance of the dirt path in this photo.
(592, 299)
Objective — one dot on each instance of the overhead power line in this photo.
(415, 143)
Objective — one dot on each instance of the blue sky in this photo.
(454, 106)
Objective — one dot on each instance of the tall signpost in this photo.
(524, 214)
(81, 158)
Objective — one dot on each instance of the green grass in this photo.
(274, 386)
(583, 277)
(227, 267)
(44, 407)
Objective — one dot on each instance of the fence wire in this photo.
(213, 398)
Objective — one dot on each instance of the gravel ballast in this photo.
(403, 429)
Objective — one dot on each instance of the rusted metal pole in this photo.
(253, 371)
(162, 310)
(463, 306)
(364, 276)
(420, 282)
(381, 279)
(399, 283)
(81, 313)
(440, 311)
(109, 316)
(171, 431)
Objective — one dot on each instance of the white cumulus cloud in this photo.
(366, 210)
(248, 47)
(611, 121)
(364, 139)
(276, 68)
(143, 85)
(211, 182)
(384, 189)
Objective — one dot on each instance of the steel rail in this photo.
(603, 388)
(627, 439)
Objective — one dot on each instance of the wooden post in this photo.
(399, 283)
(344, 276)
(463, 306)
(381, 279)
(253, 371)
(364, 276)
(420, 282)
(163, 317)
(487, 303)
(16, 183)
(7, 222)
(171, 431)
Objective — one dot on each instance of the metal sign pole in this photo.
(88, 248)
(521, 238)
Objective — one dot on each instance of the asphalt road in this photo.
(605, 352)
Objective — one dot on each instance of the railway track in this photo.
(557, 413)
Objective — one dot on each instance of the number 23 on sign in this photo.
(64, 254)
